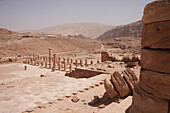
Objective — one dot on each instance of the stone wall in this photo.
(83, 73)
(106, 56)
(152, 94)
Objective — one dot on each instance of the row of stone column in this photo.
(52, 62)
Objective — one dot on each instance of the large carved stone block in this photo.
(156, 35)
(130, 78)
(147, 103)
(120, 84)
(156, 83)
(156, 60)
(156, 11)
(111, 91)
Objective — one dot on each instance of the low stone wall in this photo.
(83, 73)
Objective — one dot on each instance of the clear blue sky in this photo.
(35, 14)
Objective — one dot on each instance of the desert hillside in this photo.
(130, 30)
(91, 30)
(13, 43)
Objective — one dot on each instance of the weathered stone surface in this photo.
(156, 35)
(156, 11)
(156, 83)
(75, 99)
(104, 56)
(147, 103)
(131, 64)
(84, 73)
(156, 60)
(94, 100)
(111, 91)
(120, 84)
(101, 106)
(127, 59)
(110, 65)
(130, 78)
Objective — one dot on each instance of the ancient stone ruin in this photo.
(121, 84)
(152, 94)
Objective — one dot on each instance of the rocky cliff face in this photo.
(130, 30)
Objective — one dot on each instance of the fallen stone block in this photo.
(130, 79)
(120, 84)
(110, 89)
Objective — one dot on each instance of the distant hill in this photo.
(130, 30)
(13, 43)
(91, 30)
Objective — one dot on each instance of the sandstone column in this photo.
(54, 64)
(46, 64)
(38, 57)
(42, 64)
(71, 61)
(32, 62)
(28, 61)
(70, 67)
(33, 56)
(81, 62)
(59, 63)
(50, 60)
(68, 61)
(76, 63)
(85, 62)
(65, 65)
(91, 63)
(152, 94)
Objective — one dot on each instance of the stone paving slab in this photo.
(28, 89)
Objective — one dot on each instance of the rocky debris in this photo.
(110, 89)
(101, 106)
(108, 58)
(120, 84)
(75, 99)
(41, 106)
(94, 100)
(131, 64)
(30, 109)
(43, 75)
(111, 66)
(156, 60)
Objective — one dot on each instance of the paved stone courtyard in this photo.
(23, 89)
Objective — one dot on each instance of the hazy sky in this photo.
(35, 14)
